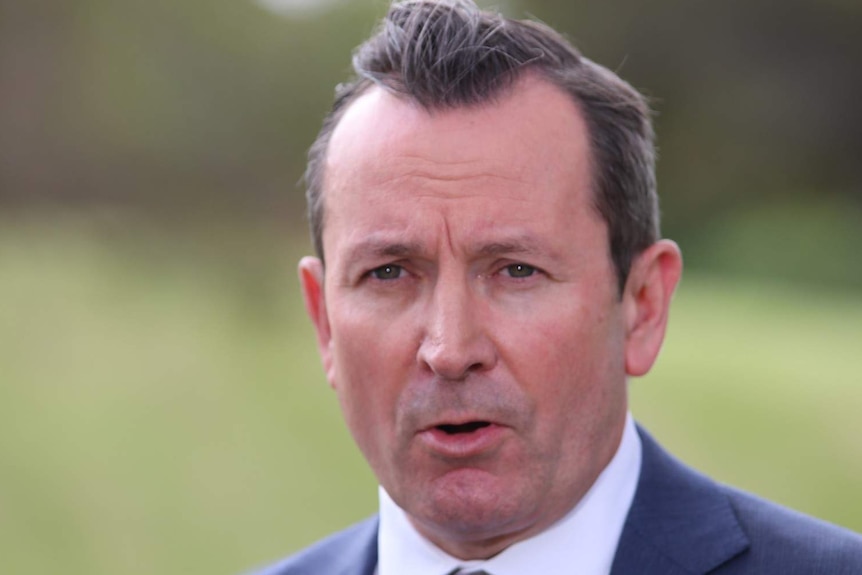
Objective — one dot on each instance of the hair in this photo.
(445, 54)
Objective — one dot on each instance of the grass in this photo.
(162, 408)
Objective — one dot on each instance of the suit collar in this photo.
(349, 552)
(359, 555)
(680, 522)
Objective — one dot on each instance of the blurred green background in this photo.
(162, 408)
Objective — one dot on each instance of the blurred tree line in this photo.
(188, 109)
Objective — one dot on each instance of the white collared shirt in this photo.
(583, 542)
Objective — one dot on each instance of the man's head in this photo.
(470, 315)
(449, 54)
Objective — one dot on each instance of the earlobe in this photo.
(311, 276)
(646, 302)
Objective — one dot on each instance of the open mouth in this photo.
(468, 427)
(465, 439)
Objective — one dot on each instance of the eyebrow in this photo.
(380, 247)
(383, 248)
(518, 246)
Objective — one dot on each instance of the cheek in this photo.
(370, 368)
(571, 362)
(570, 340)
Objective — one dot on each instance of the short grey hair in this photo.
(449, 53)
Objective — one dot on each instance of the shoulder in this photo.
(348, 552)
(683, 520)
(799, 543)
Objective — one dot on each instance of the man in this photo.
(489, 274)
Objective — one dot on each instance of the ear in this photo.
(652, 280)
(311, 275)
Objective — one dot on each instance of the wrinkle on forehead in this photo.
(430, 167)
(454, 177)
(399, 170)
(387, 189)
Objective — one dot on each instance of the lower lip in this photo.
(463, 445)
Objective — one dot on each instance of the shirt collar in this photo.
(583, 541)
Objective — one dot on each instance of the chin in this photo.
(474, 504)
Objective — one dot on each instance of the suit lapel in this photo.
(680, 522)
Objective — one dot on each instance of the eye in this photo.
(520, 270)
(387, 272)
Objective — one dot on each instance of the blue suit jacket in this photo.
(680, 523)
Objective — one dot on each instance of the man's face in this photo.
(468, 315)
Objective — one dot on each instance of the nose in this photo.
(455, 341)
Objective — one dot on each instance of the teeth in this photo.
(468, 427)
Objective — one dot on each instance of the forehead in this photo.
(529, 149)
(532, 120)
